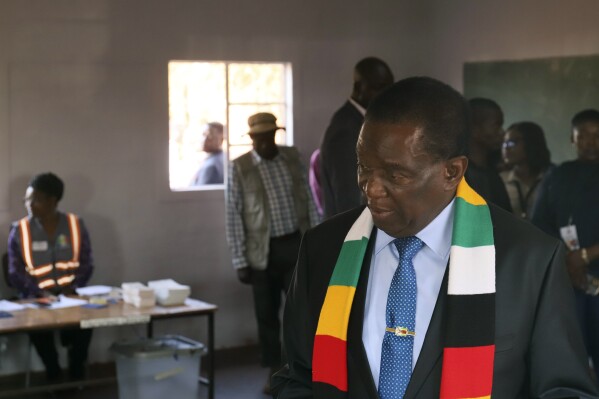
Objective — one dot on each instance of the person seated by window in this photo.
(50, 254)
(525, 151)
(212, 169)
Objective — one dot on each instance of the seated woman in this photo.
(50, 254)
(525, 152)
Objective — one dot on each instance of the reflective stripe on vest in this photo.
(75, 236)
(46, 283)
(26, 246)
(39, 271)
(66, 265)
(66, 279)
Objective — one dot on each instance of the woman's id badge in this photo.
(570, 237)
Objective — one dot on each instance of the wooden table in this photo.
(113, 315)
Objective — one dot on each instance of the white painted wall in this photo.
(487, 30)
(83, 93)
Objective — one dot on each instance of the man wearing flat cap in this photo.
(269, 206)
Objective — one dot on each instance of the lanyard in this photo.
(523, 199)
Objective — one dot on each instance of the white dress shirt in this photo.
(429, 263)
(360, 108)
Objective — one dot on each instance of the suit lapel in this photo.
(357, 354)
(432, 348)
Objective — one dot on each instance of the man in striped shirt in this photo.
(269, 206)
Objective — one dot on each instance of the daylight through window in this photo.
(209, 104)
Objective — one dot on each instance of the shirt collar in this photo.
(436, 235)
(256, 159)
(511, 176)
(360, 108)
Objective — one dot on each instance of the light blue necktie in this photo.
(398, 344)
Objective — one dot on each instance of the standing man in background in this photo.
(338, 149)
(212, 169)
(568, 208)
(49, 254)
(485, 143)
(269, 207)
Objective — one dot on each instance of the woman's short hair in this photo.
(49, 184)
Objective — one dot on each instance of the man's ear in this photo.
(454, 172)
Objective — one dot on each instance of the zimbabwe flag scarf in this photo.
(470, 308)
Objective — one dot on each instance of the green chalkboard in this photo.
(547, 91)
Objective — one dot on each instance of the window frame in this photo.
(217, 190)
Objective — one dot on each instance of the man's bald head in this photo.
(371, 76)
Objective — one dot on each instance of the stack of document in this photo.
(169, 292)
(138, 295)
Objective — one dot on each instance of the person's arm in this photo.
(294, 381)
(339, 179)
(314, 181)
(312, 211)
(235, 230)
(592, 254)
(86, 264)
(557, 357)
(23, 282)
(544, 212)
(578, 262)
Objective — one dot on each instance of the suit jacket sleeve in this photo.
(295, 380)
(544, 215)
(339, 166)
(338, 162)
(557, 357)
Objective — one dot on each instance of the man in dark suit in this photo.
(411, 157)
(338, 149)
(484, 148)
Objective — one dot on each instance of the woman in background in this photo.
(525, 152)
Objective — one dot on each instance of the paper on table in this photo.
(94, 290)
(66, 302)
(62, 302)
(8, 306)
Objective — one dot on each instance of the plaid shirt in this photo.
(281, 209)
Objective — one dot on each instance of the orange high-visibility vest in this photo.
(59, 271)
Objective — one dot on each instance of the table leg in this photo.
(211, 355)
(150, 331)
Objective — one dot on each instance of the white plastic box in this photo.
(169, 292)
(138, 295)
(166, 367)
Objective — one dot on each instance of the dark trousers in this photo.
(267, 287)
(587, 308)
(75, 340)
